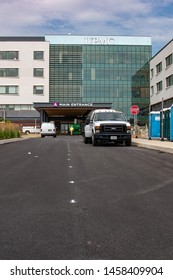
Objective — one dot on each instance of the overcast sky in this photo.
(89, 17)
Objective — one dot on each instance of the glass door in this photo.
(64, 128)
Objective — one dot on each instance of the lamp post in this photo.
(3, 114)
(149, 125)
(162, 138)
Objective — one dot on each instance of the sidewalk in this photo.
(156, 144)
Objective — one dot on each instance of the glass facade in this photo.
(65, 73)
(117, 74)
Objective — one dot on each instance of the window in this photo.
(152, 73)
(38, 89)
(152, 91)
(159, 86)
(39, 55)
(8, 89)
(10, 107)
(11, 55)
(38, 72)
(93, 75)
(169, 60)
(106, 116)
(169, 81)
(9, 72)
(159, 67)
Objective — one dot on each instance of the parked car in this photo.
(30, 129)
(48, 129)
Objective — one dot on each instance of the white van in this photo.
(48, 129)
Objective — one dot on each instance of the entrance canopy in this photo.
(67, 111)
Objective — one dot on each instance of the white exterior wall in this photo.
(26, 63)
(166, 92)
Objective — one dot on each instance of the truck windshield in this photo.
(110, 116)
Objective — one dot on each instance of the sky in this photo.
(152, 18)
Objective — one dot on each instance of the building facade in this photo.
(101, 69)
(74, 69)
(161, 78)
(24, 76)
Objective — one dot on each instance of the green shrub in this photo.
(9, 130)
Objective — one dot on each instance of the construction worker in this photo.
(71, 130)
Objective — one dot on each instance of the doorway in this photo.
(64, 128)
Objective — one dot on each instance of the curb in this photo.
(153, 147)
(11, 140)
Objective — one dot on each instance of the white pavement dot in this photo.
(72, 201)
(70, 166)
(29, 153)
(71, 182)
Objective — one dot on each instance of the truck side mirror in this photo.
(87, 121)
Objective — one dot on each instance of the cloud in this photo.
(112, 17)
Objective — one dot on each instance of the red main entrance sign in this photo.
(134, 110)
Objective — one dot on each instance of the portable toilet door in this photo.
(154, 124)
(166, 123)
(171, 123)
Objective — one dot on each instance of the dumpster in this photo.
(166, 123)
(76, 128)
(171, 123)
(154, 124)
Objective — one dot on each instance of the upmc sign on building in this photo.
(98, 40)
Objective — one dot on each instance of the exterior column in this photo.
(42, 116)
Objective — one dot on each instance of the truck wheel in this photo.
(94, 141)
(85, 139)
(128, 142)
(27, 132)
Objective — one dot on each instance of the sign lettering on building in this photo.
(74, 104)
(99, 41)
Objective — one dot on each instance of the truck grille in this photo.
(113, 128)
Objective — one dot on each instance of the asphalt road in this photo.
(63, 199)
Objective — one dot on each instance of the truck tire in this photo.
(85, 140)
(94, 141)
(128, 142)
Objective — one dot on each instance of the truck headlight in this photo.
(97, 129)
(128, 129)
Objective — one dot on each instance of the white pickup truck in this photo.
(30, 129)
(107, 125)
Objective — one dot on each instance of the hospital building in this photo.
(62, 78)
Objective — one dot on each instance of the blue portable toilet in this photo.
(154, 124)
(171, 123)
